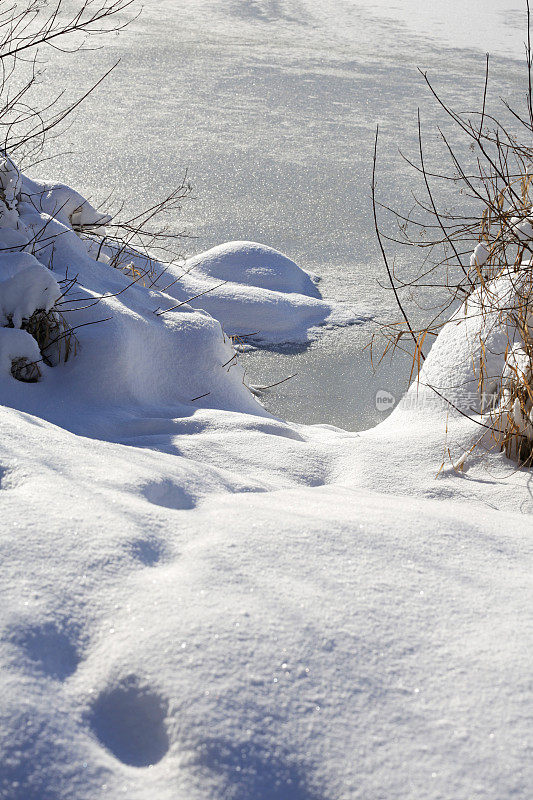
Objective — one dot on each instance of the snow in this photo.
(480, 255)
(257, 292)
(32, 288)
(200, 600)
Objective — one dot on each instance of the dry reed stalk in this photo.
(500, 232)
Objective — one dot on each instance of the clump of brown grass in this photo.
(57, 341)
(24, 370)
(474, 255)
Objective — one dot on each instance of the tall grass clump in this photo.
(480, 257)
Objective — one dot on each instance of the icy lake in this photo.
(271, 107)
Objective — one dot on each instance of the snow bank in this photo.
(127, 354)
(201, 602)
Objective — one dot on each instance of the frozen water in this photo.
(272, 107)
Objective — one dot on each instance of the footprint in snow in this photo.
(129, 721)
(249, 770)
(9, 478)
(47, 648)
(148, 551)
(167, 494)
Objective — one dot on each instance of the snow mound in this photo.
(16, 344)
(452, 365)
(253, 264)
(32, 288)
(259, 294)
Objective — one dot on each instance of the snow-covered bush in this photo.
(33, 330)
(481, 266)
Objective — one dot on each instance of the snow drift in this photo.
(202, 601)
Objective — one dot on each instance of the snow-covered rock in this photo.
(258, 293)
(31, 288)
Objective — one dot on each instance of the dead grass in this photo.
(471, 257)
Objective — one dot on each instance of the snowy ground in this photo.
(280, 635)
(200, 600)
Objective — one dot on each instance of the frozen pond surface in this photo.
(271, 105)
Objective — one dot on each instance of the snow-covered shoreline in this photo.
(200, 600)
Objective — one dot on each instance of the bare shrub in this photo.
(132, 244)
(480, 257)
